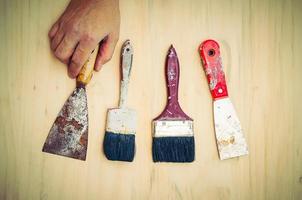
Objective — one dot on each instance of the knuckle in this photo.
(53, 44)
(58, 54)
(61, 24)
(79, 54)
(61, 55)
(88, 39)
(73, 29)
(77, 60)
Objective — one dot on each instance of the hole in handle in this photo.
(211, 52)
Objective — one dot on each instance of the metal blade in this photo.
(68, 135)
(229, 136)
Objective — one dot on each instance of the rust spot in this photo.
(69, 133)
(223, 142)
(75, 124)
(232, 140)
(300, 179)
(61, 123)
(84, 139)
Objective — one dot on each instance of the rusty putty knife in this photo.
(68, 135)
(229, 137)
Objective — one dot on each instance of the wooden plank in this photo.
(261, 49)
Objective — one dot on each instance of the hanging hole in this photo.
(211, 52)
(127, 49)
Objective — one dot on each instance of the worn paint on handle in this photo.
(173, 109)
(126, 65)
(210, 55)
(86, 72)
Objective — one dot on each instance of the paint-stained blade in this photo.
(69, 134)
(229, 136)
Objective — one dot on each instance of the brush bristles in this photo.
(173, 149)
(119, 147)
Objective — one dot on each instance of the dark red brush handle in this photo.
(210, 55)
(173, 109)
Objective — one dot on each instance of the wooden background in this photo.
(262, 55)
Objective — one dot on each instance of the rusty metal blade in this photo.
(68, 135)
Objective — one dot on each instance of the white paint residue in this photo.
(123, 92)
(68, 136)
(80, 112)
(177, 128)
(229, 136)
(126, 70)
(122, 121)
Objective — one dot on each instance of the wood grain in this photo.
(261, 49)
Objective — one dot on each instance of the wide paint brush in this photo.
(173, 139)
(68, 135)
(230, 140)
(119, 141)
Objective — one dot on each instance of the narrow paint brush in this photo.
(230, 139)
(173, 139)
(119, 141)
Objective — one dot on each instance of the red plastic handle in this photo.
(210, 55)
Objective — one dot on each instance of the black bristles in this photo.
(173, 149)
(119, 146)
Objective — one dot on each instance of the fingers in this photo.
(80, 56)
(105, 52)
(57, 39)
(66, 48)
(52, 32)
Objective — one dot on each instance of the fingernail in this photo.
(53, 31)
(98, 64)
(70, 75)
(70, 72)
(98, 68)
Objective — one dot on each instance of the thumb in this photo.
(106, 50)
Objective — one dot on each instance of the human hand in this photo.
(82, 26)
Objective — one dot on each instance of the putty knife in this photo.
(229, 137)
(68, 135)
(119, 141)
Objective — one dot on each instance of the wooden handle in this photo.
(126, 65)
(86, 72)
(210, 54)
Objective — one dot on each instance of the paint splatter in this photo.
(69, 134)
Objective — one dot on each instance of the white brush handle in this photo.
(126, 59)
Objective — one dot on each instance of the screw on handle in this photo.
(210, 55)
(86, 72)
(126, 65)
